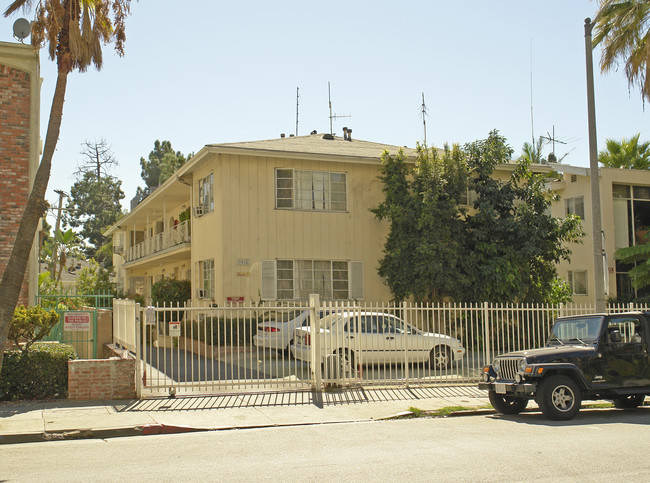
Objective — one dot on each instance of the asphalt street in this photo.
(598, 445)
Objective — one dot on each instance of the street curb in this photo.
(159, 429)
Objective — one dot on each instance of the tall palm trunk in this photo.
(14, 273)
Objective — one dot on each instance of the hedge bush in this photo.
(40, 373)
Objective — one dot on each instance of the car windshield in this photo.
(579, 329)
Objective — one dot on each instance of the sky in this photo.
(229, 71)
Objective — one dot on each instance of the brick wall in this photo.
(95, 379)
(15, 108)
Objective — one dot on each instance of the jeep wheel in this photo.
(559, 398)
(629, 402)
(507, 404)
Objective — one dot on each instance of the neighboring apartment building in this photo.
(625, 207)
(20, 86)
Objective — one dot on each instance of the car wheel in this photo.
(346, 357)
(629, 402)
(559, 398)
(507, 404)
(287, 350)
(440, 358)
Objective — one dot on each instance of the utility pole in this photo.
(55, 245)
(597, 230)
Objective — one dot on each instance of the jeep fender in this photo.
(567, 369)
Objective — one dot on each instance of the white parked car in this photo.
(376, 337)
(278, 335)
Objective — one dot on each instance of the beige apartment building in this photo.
(625, 207)
(262, 220)
(277, 220)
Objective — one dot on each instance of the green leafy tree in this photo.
(420, 253)
(31, 324)
(94, 205)
(622, 29)
(628, 153)
(162, 162)
(396, 267)
(506, 250)
(74, 32)
(512, 242)
(93, 279)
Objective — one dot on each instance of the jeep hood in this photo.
(555, 353)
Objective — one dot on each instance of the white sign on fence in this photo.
(175, 328)
(76, 321)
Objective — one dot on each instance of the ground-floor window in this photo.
(297, 279)
(206, 283)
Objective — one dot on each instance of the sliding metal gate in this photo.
(187, 350)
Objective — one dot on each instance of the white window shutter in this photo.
(355, 274)
(269, 286)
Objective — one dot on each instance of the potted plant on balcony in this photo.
(185, 216)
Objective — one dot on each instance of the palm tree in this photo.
(73, 31)
(623, 28)
(628, 154)
(533, 152)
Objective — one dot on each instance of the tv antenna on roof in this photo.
(297, 101)
(423, 113)
(22, 28)
(333, 116)
(551, 138)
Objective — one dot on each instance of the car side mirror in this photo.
(615, 336)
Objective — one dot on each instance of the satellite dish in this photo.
(22, 28)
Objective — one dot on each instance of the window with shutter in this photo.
(356, 280)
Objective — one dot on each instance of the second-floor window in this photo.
(575, 206)
(206, 194)
(310, 190)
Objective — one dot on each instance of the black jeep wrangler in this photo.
(586, 357)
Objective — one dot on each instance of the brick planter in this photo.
(92, 379)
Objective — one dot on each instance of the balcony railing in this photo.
(178, 235)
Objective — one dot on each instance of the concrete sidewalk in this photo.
(26, 421)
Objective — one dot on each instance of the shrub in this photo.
(221, 331)
(169, 291)
(31, 324)
(40, 373)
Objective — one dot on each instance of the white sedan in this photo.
(376, 337)
(278, 334)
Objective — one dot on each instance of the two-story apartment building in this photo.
(262, 220)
